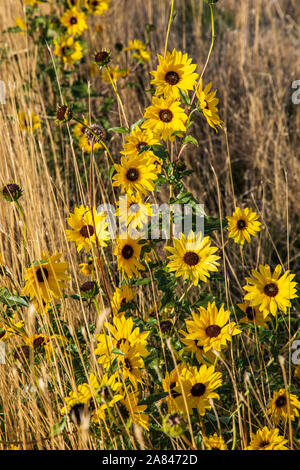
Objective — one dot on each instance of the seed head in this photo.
(98, 133)
(64, 114)
(11, 192)
(89, 289)
(102, 58)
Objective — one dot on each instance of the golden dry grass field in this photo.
(128, 345)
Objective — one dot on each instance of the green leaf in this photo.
(137, 123)
(153, 398)
(118, 351)
(119, 130)
(143, 282)
(80, 90)
(58, 427)
(111, 171)
(190, 140)
(212, 223)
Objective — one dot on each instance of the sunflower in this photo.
(270, 292)
(106, 393)
(135, 174)
(96, 7)
(193, 346)
(10, 327)
(121, 297)
(208, 104)
(133, 212)
(141, 52)
(211, 328)
(128, 253)
(169, 383)
(198, 385)
(82, 224)
(132, 365)
(175, 72)
(122, 334)
(44, 343)
(45, 278)
(74, 21)
(215, 442)
(135, 412)
(253, 315)
(136, 140)
(83, 141)
(88, 268)
(279, 408)
(32, 3)
(267, 439)
(192, 257)
(68, 49)
(20, 23)
(164, 117)
(29, 122)
(242, 224)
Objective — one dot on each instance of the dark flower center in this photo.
(172, 78)
(165, 326)
(39, 342)
(281, 401)
(10, 189)
(241, 224)
(22, 352)
(165, 115)
(213, 331)
(73, 20)
(88, 286)
(42, 274)
(250, 312)
(87, 231)
(127, 251)
(140, 145)
(214, 448)
(264, 444)
(198, 390)
(191, 258)
(132, 174)
(271, 290)
(61, 112)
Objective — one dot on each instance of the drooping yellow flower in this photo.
(253, 315)
(140, 50)
(164, 117)
(74, 21)
(192, 257)
(270, 292)
(175, 72)
(82, 224)
(135, 411)
(128, 253)
(208, 104)
(97, 7)
(199, 387)
(242, 224)
(215, 442)
(278, 407)
(267, 439)
(45, 278)
(20, 23)
(211, 328)
(29, 122)
(114, 72)
(121, 297)
(135, 174)
(68, 49)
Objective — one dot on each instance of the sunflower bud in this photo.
(64, 114)
(174, 425)
(11, 192)
(102, 58)
(166, 326)
(89, 289)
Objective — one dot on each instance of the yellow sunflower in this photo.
(169, 383)
(164, 117)
(192, 257)
(88, 268)
(74, 21)
(193, 346)
(175, 72)
(270, 292)
(267, 439)
(68, 49)
(121, 297)
(10, 327)
(208, 104)
(133, 212)
(20, 23)
(199, 387)
(135, 174)
(211, 328)
(128, 252)
(140, 50)
(29, 122)
(280, 409)
(242, 224)
(114, 72)
(138, 139)
(135, 412)
(45, 278)
(83, 233)
(96, 7)
(253, 315)
(215, 442)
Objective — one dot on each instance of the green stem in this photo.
(96, 138)
(117, 94)
(169, 27)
